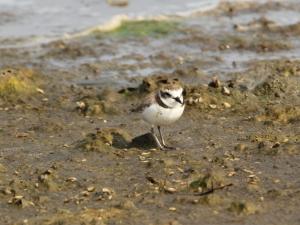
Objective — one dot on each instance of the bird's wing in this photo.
(147, 101)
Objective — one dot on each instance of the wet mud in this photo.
(73, 151)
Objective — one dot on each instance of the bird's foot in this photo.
(161, 145)
(158, 144)
(168, 148)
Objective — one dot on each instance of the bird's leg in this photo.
(163, 141)
(156, 139)
(161, 137)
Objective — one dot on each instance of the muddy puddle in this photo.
(73, 152)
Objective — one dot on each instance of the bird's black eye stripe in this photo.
(165, 94)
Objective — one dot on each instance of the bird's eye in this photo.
(165, 95)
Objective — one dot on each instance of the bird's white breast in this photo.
(157, 115)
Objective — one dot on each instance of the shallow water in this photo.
(34, 21)
(54, 18)
(28, 22)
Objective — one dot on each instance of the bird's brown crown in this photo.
(169, 84)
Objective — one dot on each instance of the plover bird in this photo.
(163, 107)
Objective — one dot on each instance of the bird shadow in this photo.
(143, 142)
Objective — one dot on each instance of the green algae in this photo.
(15, 83)
(104, 139)
(242, 207)
(209, 181)
(280, 113)
(145, 28)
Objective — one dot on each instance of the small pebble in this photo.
(190, 101)
(145, 153)
(91, 189)
(71, 179)
(226, 105)
(41, 91)
(215, 83)
(85, 193)
(212, 106)
(19, 197)
(276, 145)
(170, 190)
(225, 91)
(231, 174)
(6, 191)
(240, 147)
(80, 105)
(106, 190)
(142, 158)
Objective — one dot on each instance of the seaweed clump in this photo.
(145, 28)
(104, 139)
(17, 83)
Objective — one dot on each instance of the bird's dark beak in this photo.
(177, 99)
